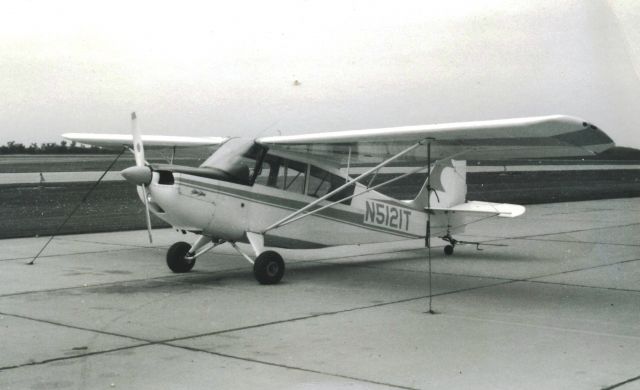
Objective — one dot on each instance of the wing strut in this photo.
(315, 211)
(289, 217)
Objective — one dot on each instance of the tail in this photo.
(448, 186)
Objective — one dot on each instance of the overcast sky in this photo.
(229, 68)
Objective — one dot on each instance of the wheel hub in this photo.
(272, 268)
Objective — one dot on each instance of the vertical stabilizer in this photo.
(448, 185)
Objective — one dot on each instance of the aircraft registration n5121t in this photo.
(290, 191)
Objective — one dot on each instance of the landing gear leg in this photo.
(268, 267)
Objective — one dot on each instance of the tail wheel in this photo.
(448, 250)
(268, 268)
(176, 257)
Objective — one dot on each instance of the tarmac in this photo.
(558, 307)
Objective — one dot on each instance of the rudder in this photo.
(448, 185)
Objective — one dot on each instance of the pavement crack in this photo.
(280, 365)
(581, 269)
(577, 242)
(584, 286)
(49, 322)
(574, 231)
(130, 246)
(69, 254)
(175, 279)
(57, 359)
(336, 312)
(616, 385)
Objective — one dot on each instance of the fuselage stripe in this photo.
(341, 216)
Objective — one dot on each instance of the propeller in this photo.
(141, 173)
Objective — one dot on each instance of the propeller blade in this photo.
(146, 207)
(138, 148)
(137, 174)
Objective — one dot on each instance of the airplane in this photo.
(317, 190)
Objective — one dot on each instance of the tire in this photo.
(448, 250)
(268, 268)
(176, 258)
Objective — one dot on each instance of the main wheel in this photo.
(448, 250)
(268, 268)
(176, 257)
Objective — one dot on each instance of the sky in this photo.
(249, 68)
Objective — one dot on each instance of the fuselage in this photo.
(278, 185)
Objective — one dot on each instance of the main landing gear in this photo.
(177, 258)
(181, 256)
(268, 267)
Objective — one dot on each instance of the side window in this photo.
(283, 174)
(288, 175)
(291, 176)
(319, 183)
(322, 182)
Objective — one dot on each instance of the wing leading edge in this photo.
(118, 140)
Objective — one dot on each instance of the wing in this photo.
(536, 137)
(113, 141)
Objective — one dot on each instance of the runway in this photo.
(557, 308)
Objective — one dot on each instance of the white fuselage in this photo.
(226, 210)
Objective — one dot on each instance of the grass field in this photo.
(28, 210)
(32, 209)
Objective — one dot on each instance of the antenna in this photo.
(427, 239)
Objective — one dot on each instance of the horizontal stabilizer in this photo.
(476, 207)
(159, 141)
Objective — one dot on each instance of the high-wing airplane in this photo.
(299, 191)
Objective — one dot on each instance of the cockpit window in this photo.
(283, 174)
(300, 178)
(238, 158)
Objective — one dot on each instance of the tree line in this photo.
(64, 147)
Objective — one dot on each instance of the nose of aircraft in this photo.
(137, 175)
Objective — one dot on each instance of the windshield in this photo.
(236, 157)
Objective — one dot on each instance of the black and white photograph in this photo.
(311, 195)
